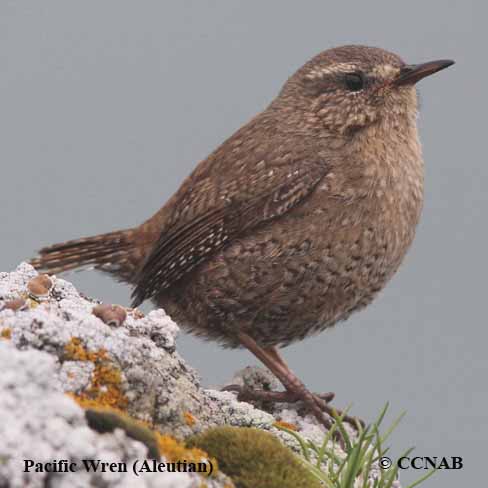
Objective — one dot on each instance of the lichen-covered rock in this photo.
(42, 424)
(134, 367)
(56, 357)
(74, 387)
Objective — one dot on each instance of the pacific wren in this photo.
(297, 220)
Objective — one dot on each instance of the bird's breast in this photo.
(367, 207)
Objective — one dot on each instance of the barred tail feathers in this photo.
(111, 252)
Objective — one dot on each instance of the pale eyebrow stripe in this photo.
(381, 71)
(331, 70)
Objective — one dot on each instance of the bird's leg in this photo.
(321, 398)
(292, 396)
(286, 377)
(295, 389)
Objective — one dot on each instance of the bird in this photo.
(297, 220)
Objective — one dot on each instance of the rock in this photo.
(41, 423)
(113, 315)
(39, 286)
(60, 362)
(15, 304)
(57, 347)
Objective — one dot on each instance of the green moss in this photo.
(254, 458)
(106, 420)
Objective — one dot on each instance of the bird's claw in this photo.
(321, 403)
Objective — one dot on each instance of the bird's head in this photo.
(348, 88)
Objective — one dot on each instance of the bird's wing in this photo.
(205, 220)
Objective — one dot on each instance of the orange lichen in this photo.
(190, 420)
(105, 388)
(75, 350)
(6, 333)
(105, 393)
(286, 425)
(167, 446)
(174, 450)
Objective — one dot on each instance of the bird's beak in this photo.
(412, 73)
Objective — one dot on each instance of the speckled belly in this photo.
(284, 283)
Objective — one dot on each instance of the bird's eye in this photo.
(354, 81)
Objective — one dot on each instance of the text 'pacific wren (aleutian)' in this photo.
(297, 220)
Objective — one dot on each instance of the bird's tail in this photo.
(112, 252)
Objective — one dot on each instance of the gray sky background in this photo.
(105, 106)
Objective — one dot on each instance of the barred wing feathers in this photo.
(184, 245)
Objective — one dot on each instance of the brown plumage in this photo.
(294, 222)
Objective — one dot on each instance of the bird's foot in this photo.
(355, 422)
(247, 394)
(318, 403)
